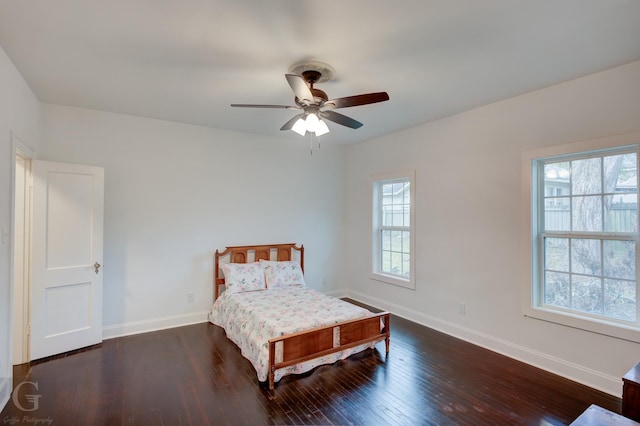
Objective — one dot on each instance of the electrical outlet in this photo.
(191, 297)
(462, 309)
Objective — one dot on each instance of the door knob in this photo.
(96, 267)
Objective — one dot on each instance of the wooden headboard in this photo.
(244, 254)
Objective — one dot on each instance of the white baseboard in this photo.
(145, 326)
(336, 293)
(586, 376)
(5, 391)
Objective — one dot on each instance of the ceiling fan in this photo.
(314, 103)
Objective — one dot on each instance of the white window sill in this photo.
(389, 279)
(594, 325)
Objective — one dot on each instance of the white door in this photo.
(66, 280)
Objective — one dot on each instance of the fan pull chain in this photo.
(313, 136)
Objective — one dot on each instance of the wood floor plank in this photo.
(195, 376)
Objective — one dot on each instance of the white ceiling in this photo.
(187, 60)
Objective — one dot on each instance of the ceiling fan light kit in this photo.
(314, 103)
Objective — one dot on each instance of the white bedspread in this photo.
(250, 319)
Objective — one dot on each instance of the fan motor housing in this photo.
(319, 97)
(317, 93)
(311, 77)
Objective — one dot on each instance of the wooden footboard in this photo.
(318, 342)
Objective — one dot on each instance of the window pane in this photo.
(396, 263)
(556, 178)
(385, 262)
(556, 190)
(556, 254)
(620, 173)
(620, 300)
(586, 176)
(557, 214)
(387, 194)
(557, 290)
(385, 239)
(586, 294)
(398, 193)
(406, 242)
(406, 265)
(586, 214)
(585, 256)
(620, 259)
(398, 217)
(621, 212)
(396, 240)
(387, 216)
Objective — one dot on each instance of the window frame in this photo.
(376, 218)
(533, 251)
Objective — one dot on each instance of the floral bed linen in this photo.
(250, 319)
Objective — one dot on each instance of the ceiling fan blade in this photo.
(265, 106)
(289, 124)
(300, 88)
(349, 101)
(341, 119)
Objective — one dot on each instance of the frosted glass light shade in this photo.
(321, 128)
(312, 123)
(300, 127)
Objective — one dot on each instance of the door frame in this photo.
(20, 282)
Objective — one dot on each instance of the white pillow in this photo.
(241, 277)
(282, 274)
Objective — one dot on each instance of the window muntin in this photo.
(392, 245)
(588, 230)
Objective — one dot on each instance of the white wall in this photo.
(18, 117)
(469, 220)
(175, 193)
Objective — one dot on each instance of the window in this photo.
(392, 242)
(584, 240)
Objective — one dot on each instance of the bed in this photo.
(280, 325)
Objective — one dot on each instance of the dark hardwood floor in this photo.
(194, 376)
